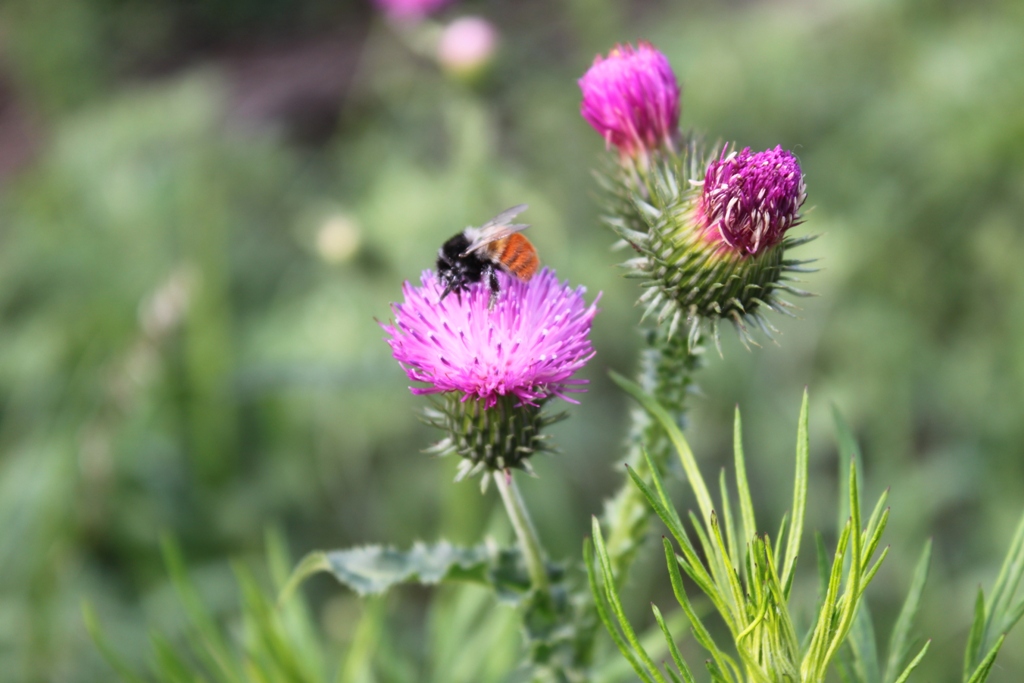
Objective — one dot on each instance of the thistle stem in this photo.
(529, 542)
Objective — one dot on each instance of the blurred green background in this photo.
(205, 206)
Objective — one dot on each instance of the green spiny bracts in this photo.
(715, 244)
(502, 437)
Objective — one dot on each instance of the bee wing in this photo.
(492, 233)
(505, 216)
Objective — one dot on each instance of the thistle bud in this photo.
(493, 368)
(715, 249)
(631, 99)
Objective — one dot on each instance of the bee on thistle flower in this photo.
(492, 367)
(476, 254)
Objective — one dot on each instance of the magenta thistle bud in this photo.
(749, 201)
(494, 367)
(715, 248)
(631, 98)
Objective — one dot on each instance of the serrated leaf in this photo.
(374, 569)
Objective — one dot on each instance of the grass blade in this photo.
(975, 636)
(913, 664)
(616, 604)
(899, 642)
(742, 486)
(601, 605)
(799, 494)
(983, 670)
(676, 657)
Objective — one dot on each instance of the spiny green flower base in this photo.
(502, 437)
(689, 279)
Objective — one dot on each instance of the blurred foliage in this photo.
(188, 293)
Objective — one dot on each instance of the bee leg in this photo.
(492, 280)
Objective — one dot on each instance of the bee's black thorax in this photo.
(458, 272)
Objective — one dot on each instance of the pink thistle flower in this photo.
(631, 98)
(749, 201)
(528, 346)
(409, 10)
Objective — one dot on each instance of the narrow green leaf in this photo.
(1012, 617)
(92, 626)
(730, 525)
(899, 642)
(674, 676)
(742, 486)
(204, 635)
(849, 451)
(732, 587)
(913, 664)
(799, 493)
(663, 508)
(700, 633)
(356, 664)
(601, 605)
(975, 636)
(313, 563)
(871, 542)
(722, 595)
(854, 583)
(863, 647)
(869, 575)
(686, 457)
(783, 525)
(981, 673)
(815, 659)
(672, 648)
(668, 515)
(608, 578)
(1006, 584)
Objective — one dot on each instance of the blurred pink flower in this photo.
(529, 345)
(409, 10)
(467, 45)
(631, 98)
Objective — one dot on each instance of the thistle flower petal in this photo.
(631, 98)
(749, 200)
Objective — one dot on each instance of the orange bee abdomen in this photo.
(518, 255)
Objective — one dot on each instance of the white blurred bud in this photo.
(338, 238)
(164, 309)
(467, 46)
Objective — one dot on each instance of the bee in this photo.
(475, 254)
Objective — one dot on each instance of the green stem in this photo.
(666, 373)
(529, 542)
